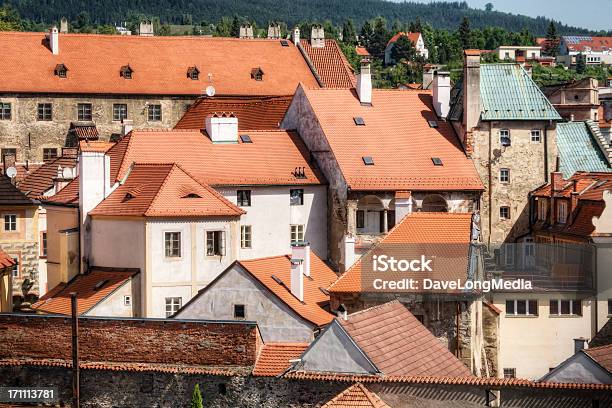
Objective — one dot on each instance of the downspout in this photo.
(457, 351)
(546, 153)
(490, 185)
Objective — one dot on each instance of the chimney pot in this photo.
(364, 83)
(296, 35)
(317, 36)
(63, 25)
(54, 40)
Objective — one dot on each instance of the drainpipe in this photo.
(490, 185)
(457, 351)
(546, 152)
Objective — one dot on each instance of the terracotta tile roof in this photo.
(271, 158)
(11, 195)
(311, 309)
(6, 260)
(398, 344)
(602, 356)
(100, 146)
(69, 195)
(578, 43)
(159, 65)
(85, 132)
(24, 170)
(257, 113)
(58, 301)
(397, 136)
(413, 37)
(331, 64)
(164, 190)
(356, 396)
(603, 337)
(422, 228)
(274, 358)
(362, 51)
(40, 180)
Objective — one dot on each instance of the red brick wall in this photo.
(137, 340)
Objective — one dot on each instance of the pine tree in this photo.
(580, 63)
(380, 37)
(464, 33)
(348, 32)
(552, 40)
(235, 30)
(418, 27)
(366, 34)
(196, 398)
(403, 49)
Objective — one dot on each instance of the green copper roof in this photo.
(578, 149)
(507, 92)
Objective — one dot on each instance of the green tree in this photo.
(235, 28)
(580, 64)
(367, 33)
(223, 28)
(380, 38)
(552, 40)
(403, 49)
(349, 35)
(9, 19)
(196, 398)
(489, 7)
(464, 33)
(106, 29)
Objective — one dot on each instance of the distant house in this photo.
(575, 100)
(285, 295)
(415, 38)
(518, 52)
(594, 50)
(590, 366)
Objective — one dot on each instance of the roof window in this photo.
(359, 121)
(246, 139)
(284, 43)
(126, 71)
(193, 73)
(61, 71)
(192, 195)
(100, 284)
(436, 161)
(257, 74)
(433, 123)
(368, 160)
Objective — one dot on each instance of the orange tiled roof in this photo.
(164, 190)
(24, 170)
(422, 228)
(6, 260)
(256, 113)
(398, 344)
(356, 396)
(40, 180)
(397, 136)
(331, 64)
(58, 301)
(99, 146)
(602, 355)
(362, 51)
(413, 37)
(280, 266)
(69, 195)
(270, 160)
(274, 358)
(587, 43)
(159, 65)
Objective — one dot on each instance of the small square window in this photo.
(5, 111)
(8, 152)
(155, 113)
(359, 121)
(119, 111)
(239, 312)
(15, 272)
(504, 175)
(509, 372)
(535, 136)
(297, 233)
(257, 74)
(296, 196)
(84, 111)
(126, 72)
(243, 198)
(504, 137)
(368, 160)
(127, 300)
(193, 73)
(215, 243)
(172, 241)
(10, 222)
(173, 304)
(43, 244)
(504, 213)
(360, 219)
(49, 153)
(245, 236)
(45, 111)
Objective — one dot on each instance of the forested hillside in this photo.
(441, 15)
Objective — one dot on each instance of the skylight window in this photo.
(100, 284)
(368, 160)
(284, 43)
(433, 123)
(359, 121)
(61, 71)
(193, 73)
(436, 161)
(126, 72)
(246, 139)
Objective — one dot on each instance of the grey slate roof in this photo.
(578, 150)
(11, 195)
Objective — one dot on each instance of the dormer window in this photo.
(192, 195)
(126, 72)
(257, 74)
(61, 71)
(193, 73)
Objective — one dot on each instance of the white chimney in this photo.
(222, 128)
(317, 36)
(403, 205)
(296, 35)
(94, 174)
(126, 126)
(274, 31)
(297, 278)
(348, 251)
(301, 251)
(364, 83)
(54, 40)
(146, 28)
(63, 25)
(441, 93)
(246, 31)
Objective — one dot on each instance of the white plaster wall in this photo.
(533, 345)
(271, 215)
(114, 305)
(42, 262)
(160, 293)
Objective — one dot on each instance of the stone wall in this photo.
(28, 255)
(29, 135)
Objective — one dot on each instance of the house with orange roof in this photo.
(594, 50)
(286, 295)
(385, 154)
(415, 38)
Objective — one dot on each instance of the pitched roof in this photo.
(256, 113)
(311, 309)
(6, 260)
(583, 43)
(604, 336)
(578, 149)
(398, 344)
(602, 355)
(159, 64)
(356, 396)
(11, 195)
(362, 51)
(398, 137)
(164, 190)
(274, 358)
(98, 146)
(58, 301)
(436, 232)
(40, 180)
(68, 195)
(271, 158)
(507, 92)
(330, 64)
(413, 37)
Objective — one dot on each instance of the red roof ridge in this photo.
(369, 309)
(264, 258)
(288, 344)
(139, 37)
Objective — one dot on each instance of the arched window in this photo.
(434, 203)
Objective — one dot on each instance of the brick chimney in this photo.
(364, 83)
(222, 127)
(274, 31)
(441, 93)
(556, 181)
(317, 36)
(296, 35)
(471, 89)
(54, 40)
(246, 31)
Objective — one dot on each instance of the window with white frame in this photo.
(521, 307)
(245, 236)
(509, 372)
(565, 307)
(155, 113)
(542, 209)
(504, 175)
(535, 136)
(297, 233)
(5, 111)
(127, 300)
(119, 111)
(15, 269)
(172, 241)
(296, 196)
(504, 137)
(173, 304)
(10, 222)
(561, 212)
(215, 243)
(504, 212)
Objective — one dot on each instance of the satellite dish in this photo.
(210, 90)
(11, 172)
